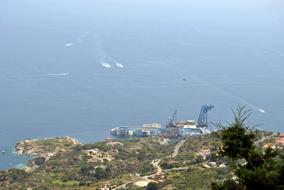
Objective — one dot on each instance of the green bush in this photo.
(152, 186)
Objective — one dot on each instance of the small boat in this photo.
(119, 65)
(104, 64)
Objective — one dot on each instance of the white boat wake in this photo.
(256, 108)
(79, 40)
(242, 100)
(203, 82)
(106, 65)
(57, 74)
(47, 74)
(105, 59)
(119, 65)
(69, 44)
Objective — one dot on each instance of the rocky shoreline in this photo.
(65, 163)
(41, 150)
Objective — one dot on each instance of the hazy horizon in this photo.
(80, 68)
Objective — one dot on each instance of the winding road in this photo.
(156, 164)
(177, 147)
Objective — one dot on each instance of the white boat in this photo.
(69, 44)
(106, 65)
(119, 65)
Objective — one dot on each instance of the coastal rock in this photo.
(24, 147)
(45, 148)
(96, 155)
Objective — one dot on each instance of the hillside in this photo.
(64, 163)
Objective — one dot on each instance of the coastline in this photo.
(12, 160)
(65, 162)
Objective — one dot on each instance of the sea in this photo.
(80, 68)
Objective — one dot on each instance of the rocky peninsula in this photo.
(65, 163)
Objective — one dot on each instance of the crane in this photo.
(202, 119)
(172, 119)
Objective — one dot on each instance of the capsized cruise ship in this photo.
(152, 129)
(181, 129)
(173, 129)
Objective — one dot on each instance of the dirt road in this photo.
(177, 147)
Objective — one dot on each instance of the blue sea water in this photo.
(79, 68)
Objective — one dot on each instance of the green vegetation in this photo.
(152, 186)
(194, 178)
(237, 139)
(79, 166)
(231, 158)
(59, 182)
(262, 169)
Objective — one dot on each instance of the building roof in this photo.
(280, 139)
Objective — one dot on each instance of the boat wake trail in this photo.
(105, 59)
(47, 74)
(252, 106)
(202, 82)
(69, 44)
(79, 40)
(56, 74)
(242, 100)
(106, 65)
(119, 65)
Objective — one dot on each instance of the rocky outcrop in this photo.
(45, 148)
(96, 155)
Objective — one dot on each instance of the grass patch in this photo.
(59, 182)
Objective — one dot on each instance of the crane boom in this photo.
(203, 115)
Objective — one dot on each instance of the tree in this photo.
(102, 173)
(152, 186)
(263, 170)
(237, 139)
